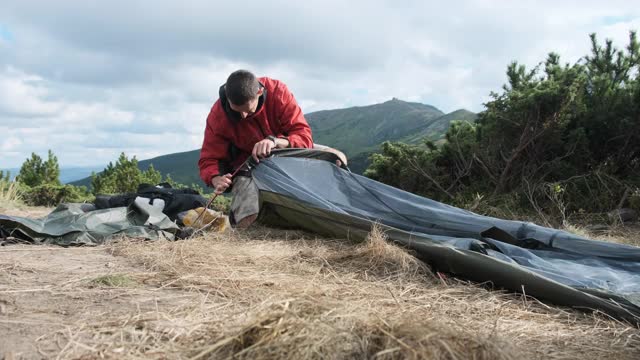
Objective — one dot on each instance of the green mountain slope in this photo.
(360, 129)
(182, 166)
(437, 128)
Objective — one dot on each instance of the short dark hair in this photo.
(241, 87)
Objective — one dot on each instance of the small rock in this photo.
(61, 312)
(625, 215)
(306, 253)
(597, 227)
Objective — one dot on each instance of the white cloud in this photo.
(24, 95)
(92, 79)
(10, 143)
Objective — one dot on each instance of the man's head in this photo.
(243, 90)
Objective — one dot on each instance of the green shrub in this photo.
(52, 195)
(221, 203)
(560, 139)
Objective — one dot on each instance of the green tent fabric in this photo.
(69, 225)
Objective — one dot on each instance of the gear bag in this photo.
(172, 201)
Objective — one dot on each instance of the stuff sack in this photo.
(171, 201)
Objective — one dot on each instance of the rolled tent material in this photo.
(299, 191)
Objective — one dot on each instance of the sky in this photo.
(91, 79)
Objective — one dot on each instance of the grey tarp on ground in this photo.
(299, 191)
(68, 225)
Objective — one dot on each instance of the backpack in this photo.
(172, 201)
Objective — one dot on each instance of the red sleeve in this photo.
(293, 122)
(214, 148)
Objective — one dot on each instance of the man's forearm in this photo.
(281, 143)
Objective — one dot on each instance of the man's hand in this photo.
(221, 183)
(262, 149)
(342, 158)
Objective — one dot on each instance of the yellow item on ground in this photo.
(213, 220)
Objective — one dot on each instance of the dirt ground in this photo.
(45, 290)
(265, 293)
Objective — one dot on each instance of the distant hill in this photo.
(182, 166)
(67, 174)
(436, 129)
(70, 174)
(357, 131)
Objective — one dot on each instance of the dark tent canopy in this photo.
(297, 190)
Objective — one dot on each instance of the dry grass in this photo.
(264, 294)
(622, 234)
(9, 195)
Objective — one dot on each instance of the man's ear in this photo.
(260, 91)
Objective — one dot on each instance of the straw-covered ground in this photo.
(272, 294)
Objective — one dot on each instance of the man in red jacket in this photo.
(252, 117)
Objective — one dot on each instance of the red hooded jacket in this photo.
(229, 139)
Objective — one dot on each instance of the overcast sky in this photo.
(90, 79)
